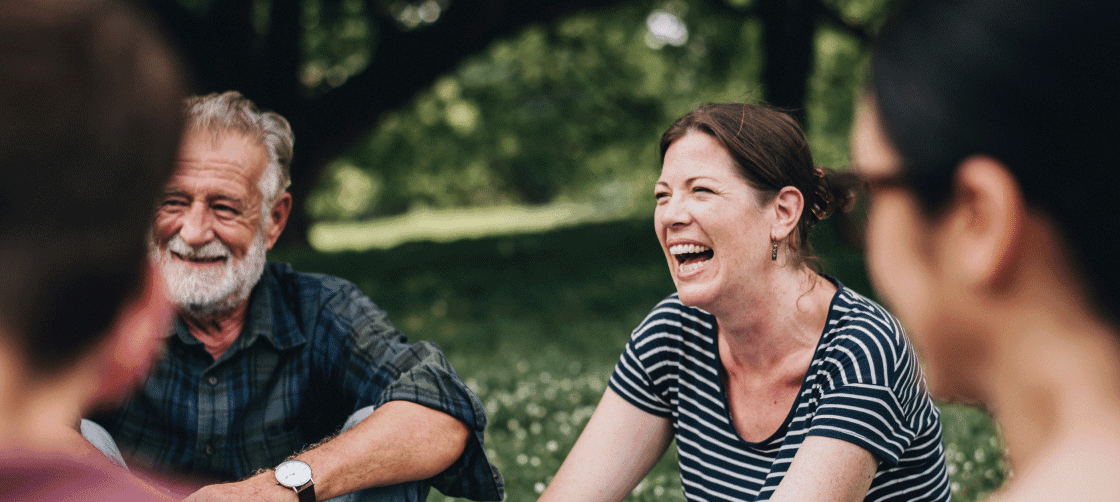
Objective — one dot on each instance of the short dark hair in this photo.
(1032, 83)
(770, 152)
(90, 119)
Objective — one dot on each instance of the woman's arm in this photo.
(827, 470)
(615, 451)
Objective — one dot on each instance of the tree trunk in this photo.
(788, 31)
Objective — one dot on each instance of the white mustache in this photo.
(208, 251)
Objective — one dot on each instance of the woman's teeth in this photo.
(690, 257)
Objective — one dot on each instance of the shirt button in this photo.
(213, 380)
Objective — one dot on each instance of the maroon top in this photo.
(32, 476)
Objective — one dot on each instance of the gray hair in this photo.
(231, 111)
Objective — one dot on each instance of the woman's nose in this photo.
(673, 212)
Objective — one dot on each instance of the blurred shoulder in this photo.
(1080, 465)
(35, 476)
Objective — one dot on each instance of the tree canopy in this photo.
(461, 102)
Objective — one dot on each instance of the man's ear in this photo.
(278, 218)
(986, 223)
(788, 205)
(135, 338)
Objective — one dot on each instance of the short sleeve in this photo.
(864, 397)
(648, 371)
(868, 416)
(631, 382)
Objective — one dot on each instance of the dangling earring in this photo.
(774, 253)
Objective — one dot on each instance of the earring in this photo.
(774, 253)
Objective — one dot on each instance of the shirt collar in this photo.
(259, 322)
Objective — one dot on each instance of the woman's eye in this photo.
(660, 195)
(702, 190)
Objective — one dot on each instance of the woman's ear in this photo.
(985, 225)
(788, 205)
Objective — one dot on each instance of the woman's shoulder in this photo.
(853, 316)
(865, 342)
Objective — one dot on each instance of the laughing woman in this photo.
(992, 159)
(777, 383)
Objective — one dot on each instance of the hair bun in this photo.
(832, 190)
(821, 205)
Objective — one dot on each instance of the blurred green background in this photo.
(483, 169)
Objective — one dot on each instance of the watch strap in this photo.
(306, 493)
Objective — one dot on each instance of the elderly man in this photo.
(267, 364)
(89, 126)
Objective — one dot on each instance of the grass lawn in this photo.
(534, 323)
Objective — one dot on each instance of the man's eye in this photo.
(226, 210)
(173, 203)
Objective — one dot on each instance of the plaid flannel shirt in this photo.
(314, 350)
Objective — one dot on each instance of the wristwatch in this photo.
(296, 474)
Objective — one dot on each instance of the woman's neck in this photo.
(791, 315)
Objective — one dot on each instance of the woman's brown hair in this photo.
(770, 152)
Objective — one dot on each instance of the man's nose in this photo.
(198, 226)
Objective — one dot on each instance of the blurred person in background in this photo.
(777, 382)
(265, 365)
(89, 126)
(988, 138)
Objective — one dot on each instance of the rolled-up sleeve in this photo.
(376, 365)
(426, 377)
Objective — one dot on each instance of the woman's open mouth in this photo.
(690, 257)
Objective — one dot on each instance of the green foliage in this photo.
(336, 42)
(534, 324)
(572, 110)
(977, 466)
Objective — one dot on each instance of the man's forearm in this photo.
(399, 442)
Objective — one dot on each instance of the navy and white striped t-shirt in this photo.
(864, 386)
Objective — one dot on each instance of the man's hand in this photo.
(259, 488)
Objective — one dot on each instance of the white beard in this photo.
(207, 292)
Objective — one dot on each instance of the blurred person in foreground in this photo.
(777, 382)
(89, 125)
(265, 364)
(989, 141)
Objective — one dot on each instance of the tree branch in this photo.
(404, 61)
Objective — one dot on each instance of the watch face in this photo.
(293, 473)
